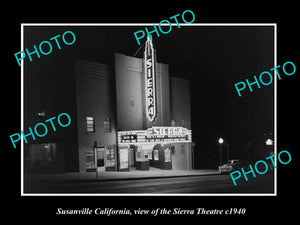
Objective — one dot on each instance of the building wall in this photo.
(130, 111)
(94, 98)
(181, 115)
(180, 102)
(130, 88)
(182, 156)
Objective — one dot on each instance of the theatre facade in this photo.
(131, 115)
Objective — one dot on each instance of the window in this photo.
(90, 124)
(41, 155)
(107, 125)
(173, 123)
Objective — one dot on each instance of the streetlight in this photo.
(43, 113)
(221, 142)
(269, 142)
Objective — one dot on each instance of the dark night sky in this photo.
(213, 58)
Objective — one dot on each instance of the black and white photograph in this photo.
(133, 112)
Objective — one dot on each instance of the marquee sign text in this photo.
(156, 135)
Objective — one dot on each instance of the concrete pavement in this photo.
(109, 176)
(169, 182)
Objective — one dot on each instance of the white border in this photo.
(150, 24)
(275, 109)
(22, 111)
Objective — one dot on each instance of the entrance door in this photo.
(131, 156)
(99, 158)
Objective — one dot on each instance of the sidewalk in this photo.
(112, 176)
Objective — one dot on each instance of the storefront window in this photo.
(110, 156)
(42, 155)
(107, 125)
(90, 159)
(167, 155)
(123, 155)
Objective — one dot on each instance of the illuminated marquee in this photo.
(167, 131)
(150, 90)
(156, 135)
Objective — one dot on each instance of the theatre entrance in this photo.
(144, 156)
(164, 148)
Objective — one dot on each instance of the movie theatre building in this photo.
(132, 116)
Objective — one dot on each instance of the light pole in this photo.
(227, 145)
(221, 142)
(269, 143)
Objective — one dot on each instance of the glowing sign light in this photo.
(167, 131)
(150, 90)
(155, 135)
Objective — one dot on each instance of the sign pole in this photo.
(96, 166)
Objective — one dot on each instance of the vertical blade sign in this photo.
(150, 89)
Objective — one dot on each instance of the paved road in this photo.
(196, 184)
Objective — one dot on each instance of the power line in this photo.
(138, 50)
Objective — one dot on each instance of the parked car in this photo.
(232, 165)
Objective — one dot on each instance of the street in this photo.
(179, 185)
